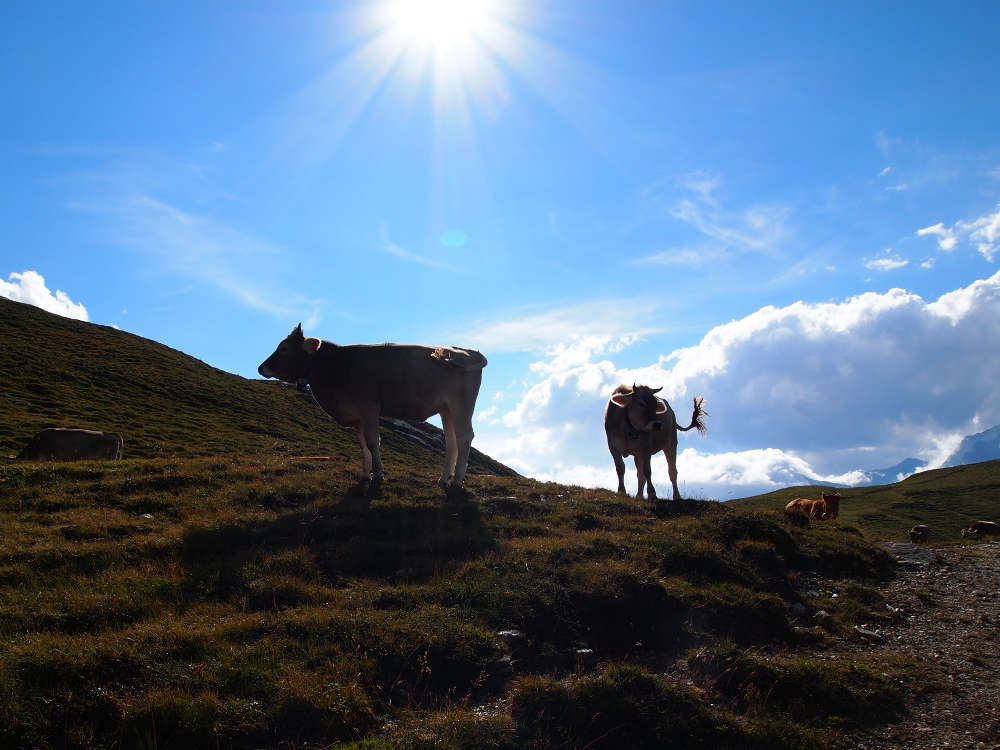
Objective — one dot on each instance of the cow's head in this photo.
(642, 407)
(291, 359)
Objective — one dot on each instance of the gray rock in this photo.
(910, 555)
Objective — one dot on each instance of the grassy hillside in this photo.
(257, 602)
(56, 372)
(945, 499)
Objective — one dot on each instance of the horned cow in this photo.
(357, 384)
(64, 444)
(639, 424)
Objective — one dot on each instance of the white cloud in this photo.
(946, 237)
(885, 171)
(983, 232)
(886, 264)
(30, 287)
(814, 390)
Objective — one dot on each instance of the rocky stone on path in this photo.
(910, 555)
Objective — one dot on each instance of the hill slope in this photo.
(945, 499)
(60, 372)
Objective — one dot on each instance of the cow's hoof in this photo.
(456, 493)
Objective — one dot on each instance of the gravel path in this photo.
(951, 618)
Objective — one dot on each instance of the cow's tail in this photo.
(698, 417)
(463, 359)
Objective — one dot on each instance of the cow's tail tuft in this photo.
(463, 359)
(698, 417)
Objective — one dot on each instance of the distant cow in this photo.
(982, 527)
(61, 444)
(919, 533)
(639, 424)
(827, 507)
(357, 384)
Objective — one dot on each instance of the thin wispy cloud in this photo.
(693, 199)
(387, 246)
(600, 325)
(200, 248)
(683, 256)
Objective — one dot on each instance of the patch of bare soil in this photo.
(950, 619)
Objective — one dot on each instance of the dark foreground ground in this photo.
(950, 621)
(261, 602)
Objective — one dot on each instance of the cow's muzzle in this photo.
(265, 371)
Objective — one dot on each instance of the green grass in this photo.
(947, 500)
(252, 601)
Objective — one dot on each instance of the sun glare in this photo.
(442, 27)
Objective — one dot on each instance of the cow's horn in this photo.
(657, 390)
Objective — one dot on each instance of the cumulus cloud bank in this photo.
(30, 287)
(806, 392)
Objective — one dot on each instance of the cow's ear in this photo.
(311, 345)
(661, 406)
(621, 399)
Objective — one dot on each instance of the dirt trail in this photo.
(951, 619)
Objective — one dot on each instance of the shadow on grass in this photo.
(354, 536)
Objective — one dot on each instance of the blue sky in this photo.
(790, 209)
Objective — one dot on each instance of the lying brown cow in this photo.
(982, 527)
(357, 384)
(639, 424)
(62, 444)
(919, 533)
(827, 507)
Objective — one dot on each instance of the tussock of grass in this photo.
(626, 706)
(826, 693)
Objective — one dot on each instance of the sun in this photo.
(449, 30)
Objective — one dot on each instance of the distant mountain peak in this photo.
(983, 446)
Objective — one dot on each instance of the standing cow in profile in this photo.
(357, 384)
(639, 424)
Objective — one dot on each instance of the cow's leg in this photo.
(640, 474)
(619, 468)
(463, 440)
(670, 451)
(366, 455)
(450, 449)
(648, 471)
(370, 451)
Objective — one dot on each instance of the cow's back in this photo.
(407, 381)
